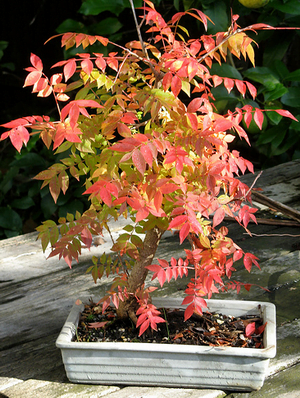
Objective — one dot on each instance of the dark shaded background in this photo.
(26, 25)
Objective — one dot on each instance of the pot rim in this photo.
(228, 307)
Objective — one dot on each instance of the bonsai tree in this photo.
(139, 124)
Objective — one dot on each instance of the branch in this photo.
(273, 204)
(158, 75)
(139, 31)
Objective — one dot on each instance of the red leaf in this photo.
(167, 80)
(193, 121)
(95, 325)
(18, 136)
(32, 78)
(194, 105)
(73, 115)
(129, 118)
(250, 329)
(184, 231)
(176, 85)
(238, 254)
(178, 221)
(112, 63)
(282, 112)
(217, 80)
(218, 216)
(123, 146)
(261, 328)
(158, 200)
(87, 238)
(203, 18)
(189, 311)
(258, 118)
(241, 87)
(252, 89)
(70, 68)
(261, 26)
(15, 123)
(100, 62)
(147, 154)
(87, 66)
(139, 161)
(105, 196)
(142, 214)
(228, 83)
(36, 62)
(161, 276)
(144, 327)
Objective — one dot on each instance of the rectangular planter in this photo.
(172, 365)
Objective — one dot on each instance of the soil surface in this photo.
(209, 329)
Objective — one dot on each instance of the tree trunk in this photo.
(136, 279)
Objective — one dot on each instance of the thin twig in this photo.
(139, 31)
(274, 235)
(254, 182)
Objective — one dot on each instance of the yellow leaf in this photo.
(250, 53)
(205, 242)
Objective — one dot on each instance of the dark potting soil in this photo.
(210, 329)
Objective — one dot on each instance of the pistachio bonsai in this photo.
(140, 126)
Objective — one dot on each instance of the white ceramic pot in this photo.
(172, 365)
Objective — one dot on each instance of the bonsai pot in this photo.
(171, 365)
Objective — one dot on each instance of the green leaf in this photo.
(95, 7)
(292, 97)
(7, 182)
(278, 92)
(288, 7)
(30, 160)
(53, 235)
(291, 139)
(70, 25)
(22, 203)
(10, 220)
(275, 134)
(272, 115)
(225, 70)
(263, 75)
(280, 69)
(3, 46)
(137, 241)
(108, 26)
(71, 206)
(296, 125)
(293, 76)
(277, 47)
(217, 12)
(128, 228)
(48, 206)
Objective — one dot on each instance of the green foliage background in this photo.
(276, 75)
